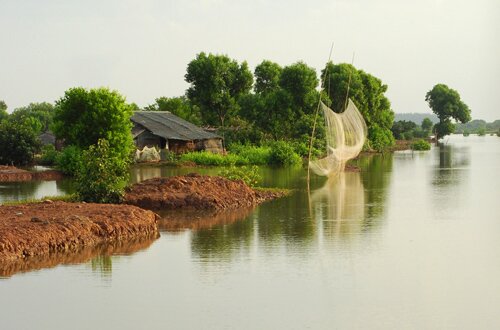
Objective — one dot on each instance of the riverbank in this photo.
(14, 174)
(41, 229)
(199, 192)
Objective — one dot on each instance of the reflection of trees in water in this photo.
(452, 162)
(102, 265)
(15, 191)
(221, 242)
(352, 203)
(375, 174)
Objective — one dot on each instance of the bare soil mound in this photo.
(52, 227)
(14, 174)
(194, 191)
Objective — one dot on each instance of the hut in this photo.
(164, 130)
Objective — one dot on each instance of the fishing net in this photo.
(147, 155)
(345, 136)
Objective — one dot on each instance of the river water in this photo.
(410, 242)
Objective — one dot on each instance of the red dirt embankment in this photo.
(39, 229)
(194, 191)
(14, 174)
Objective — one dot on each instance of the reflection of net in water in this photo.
(340, 204)
(345, 135)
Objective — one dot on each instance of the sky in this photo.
(142, 47)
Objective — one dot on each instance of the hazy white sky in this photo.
(142, 47)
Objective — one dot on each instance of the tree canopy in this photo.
(217, 82)
(368, 94)
(18, 143)
(447, 105)
(82, 117)
(38, 116)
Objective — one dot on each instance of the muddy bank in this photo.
(81, 255)
(14, 174)
(194, 191)
(41, 229)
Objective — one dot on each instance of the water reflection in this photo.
(17, 191)
(346, 206)
(178, 220)
(453, 161)
(99, 256)
(339, 206)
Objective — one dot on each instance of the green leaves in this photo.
(82, 117)
(446, 104)
(217, 82)
(18, 143)
(368, 93)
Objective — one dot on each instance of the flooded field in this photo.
(410, 242)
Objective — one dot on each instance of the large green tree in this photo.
(82, 117)
(38, 116)
(18, 143)
(368, 94)
(267, 77)
(216, 84)
(447, 105)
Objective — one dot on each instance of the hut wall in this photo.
(148, 139)
(212, 145)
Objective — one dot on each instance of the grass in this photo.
(64, 198)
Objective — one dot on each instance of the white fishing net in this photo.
(147, 155)
(345, 136)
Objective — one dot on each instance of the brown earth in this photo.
(194, 191)
(41, 229)
(14, 174)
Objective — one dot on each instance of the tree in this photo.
(217, 82)
(367, 93)
(3, 110)
(403, 130)
(18, 143)
(82, 117)
(179, 106)
(102, 176)
(267, 77)
(38, 116)
(446, 104)
(427, 125)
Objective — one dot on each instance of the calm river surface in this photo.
(411, 242)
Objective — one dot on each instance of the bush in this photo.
(18, 143)
(69, 160)
(252, 155)
(210, 159)
(421, 145)
(282, 153)
(49, 155)
(102, 175)
(249, 175)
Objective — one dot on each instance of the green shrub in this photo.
(252, 155)
(421, 145)
(249, 175)
(210, 159)
(49, 155)
(69, 160)
(102, 175)
(283, 153)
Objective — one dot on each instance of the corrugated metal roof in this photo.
(169, 126)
